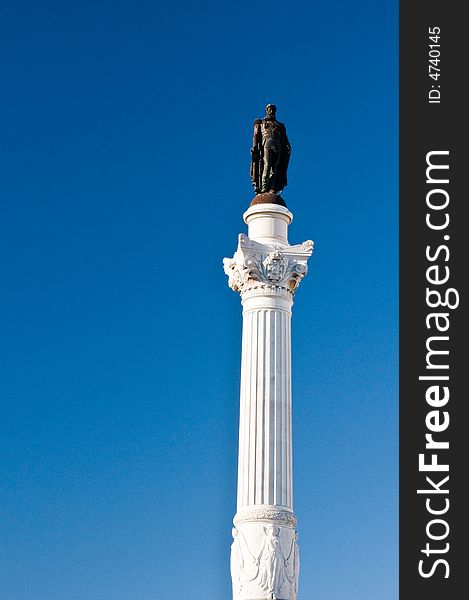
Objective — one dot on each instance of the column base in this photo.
(265, 558)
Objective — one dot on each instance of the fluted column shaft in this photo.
(265, 445)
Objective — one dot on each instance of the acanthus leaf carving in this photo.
(255, 265)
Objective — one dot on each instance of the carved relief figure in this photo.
(244, 565)
(272, 571)
(272, 562)
(292, 567)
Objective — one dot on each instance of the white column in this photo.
(266, 270)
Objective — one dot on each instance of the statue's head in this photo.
(272, 530)
(270, 110)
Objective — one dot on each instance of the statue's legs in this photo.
(271, 155)
(266, 170)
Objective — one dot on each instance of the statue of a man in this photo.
(270, 153)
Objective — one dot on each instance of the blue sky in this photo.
(126, 129)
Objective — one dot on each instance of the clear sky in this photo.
(125, 133)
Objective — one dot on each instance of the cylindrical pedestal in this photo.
(268, 223)
(266, 271)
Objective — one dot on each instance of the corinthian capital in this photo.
(256, 265)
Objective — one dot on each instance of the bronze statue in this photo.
(270, 153)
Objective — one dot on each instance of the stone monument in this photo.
(266, 271)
